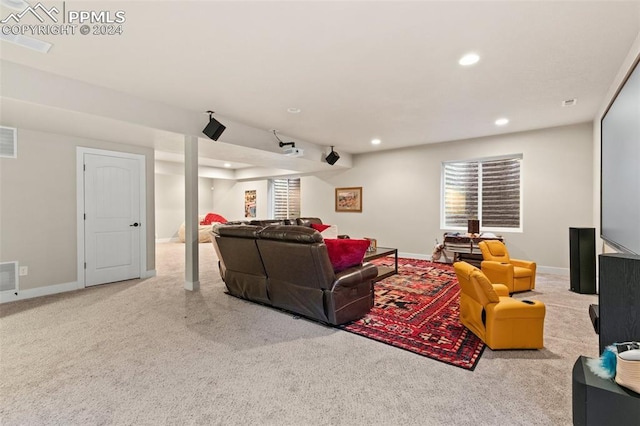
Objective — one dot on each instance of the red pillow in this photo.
(345, 253)
(212, 217)
(319, 226)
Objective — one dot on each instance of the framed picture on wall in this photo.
(349, 199)
(250, 203)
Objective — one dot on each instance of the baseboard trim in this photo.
(11, 296)
(149, 274)
(542, 269)
(553, 270)
(192, 285)
(415, 255)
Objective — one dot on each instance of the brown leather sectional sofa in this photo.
(302, 221)
(288, 267)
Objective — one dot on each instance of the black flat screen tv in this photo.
(620, 167)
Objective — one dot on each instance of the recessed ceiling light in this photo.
(375, 141)
(469, 59)
(293, 110)
(227, 165)
(501, 121)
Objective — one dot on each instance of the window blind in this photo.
(501, 193)
(460, 193)
(286, 198)
(488, 190)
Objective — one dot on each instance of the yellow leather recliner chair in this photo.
(516, 274)
(498, 320)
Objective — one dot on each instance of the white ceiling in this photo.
(357, 70)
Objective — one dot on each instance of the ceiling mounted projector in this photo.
(289, 148)
(293, 152)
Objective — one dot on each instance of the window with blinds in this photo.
(488, 190)
(285, 196)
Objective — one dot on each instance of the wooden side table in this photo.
(465, 247)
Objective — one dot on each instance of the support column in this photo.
(192, 278)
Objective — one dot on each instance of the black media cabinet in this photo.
(616, 319)
(598, 401)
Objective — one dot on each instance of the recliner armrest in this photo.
(493, 265)
(355, 275)
(501, 290)
(509, 308)
(498, 272)
(523, 263)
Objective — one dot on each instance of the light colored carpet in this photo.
(147, 352)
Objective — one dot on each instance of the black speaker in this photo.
(214, 129)
(473, 226)
(582, 260)
(332, 157)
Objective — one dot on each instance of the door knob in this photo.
(136, 224)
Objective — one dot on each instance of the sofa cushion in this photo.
(345, 253)
(320, 226)
(307, 221)
(330, 232)
(327, 231)
(291, 233)
(239, 231)
(268, 222)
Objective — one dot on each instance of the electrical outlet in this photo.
(24, 270)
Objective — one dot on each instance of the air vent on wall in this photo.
(569, 102)
(8, 142)
(9, 276)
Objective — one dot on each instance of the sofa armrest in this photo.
(355, 275)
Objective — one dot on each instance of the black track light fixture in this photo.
(214, 129)
(332, 157)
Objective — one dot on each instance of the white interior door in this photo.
(112, 221)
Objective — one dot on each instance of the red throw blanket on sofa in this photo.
(211, 218)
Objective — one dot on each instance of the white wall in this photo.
(170, 197)
(38, 206)
(401, 192)
(228, 198)
(317, 195)
(401, 197)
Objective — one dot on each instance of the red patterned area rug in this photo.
(417, 310)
